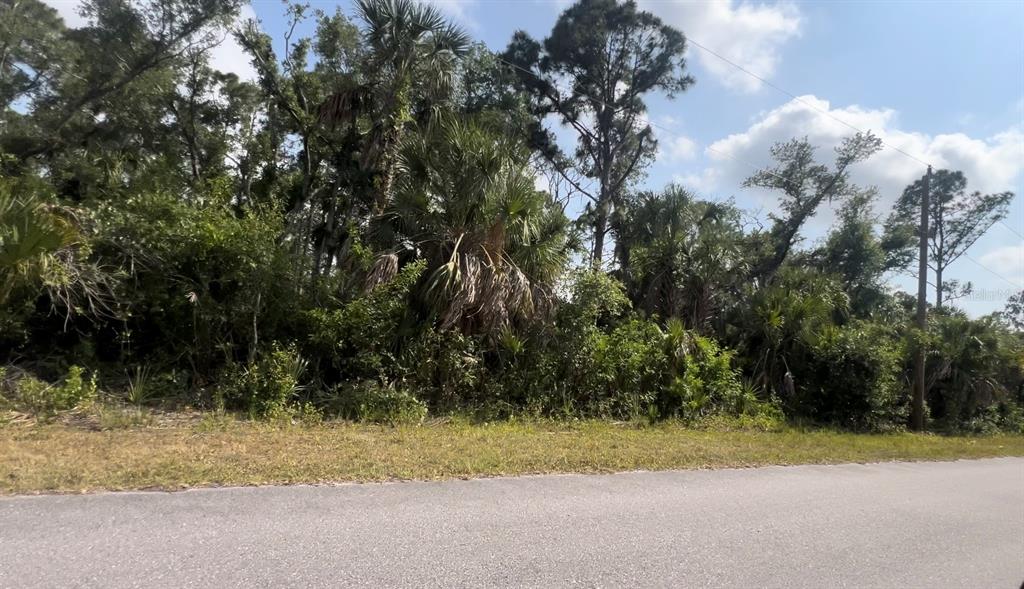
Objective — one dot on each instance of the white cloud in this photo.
(991, 164)
(228, 56)
(1007, 261)
(68, 10)
(458, 10)
(677, 149)
(748, 34)
(666, 120)
(702, 183)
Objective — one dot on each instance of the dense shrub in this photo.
(206, 285)
(702, 378)
(373, 402)
(24, 392)
(977, 373)
(600, 360)
(851, 377)
(265, 387)
(444, 367)
(360, 339)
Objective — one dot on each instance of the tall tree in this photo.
(856, 254)
(593, 72)
(804, 184)
(306, 103)
(32, 44)
(410, 44)
(956, 219)
(134, 39)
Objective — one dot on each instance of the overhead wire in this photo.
(647, 120)
(845, 123)
(799, 99)
(672, 133)
(1017, 285)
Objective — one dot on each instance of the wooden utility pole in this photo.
(917, 408)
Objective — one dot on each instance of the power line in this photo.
(797, 98)
(820, 110)
(1015, 232)
(669, 132)
(835, 118)
(672, 133)
(993, 272)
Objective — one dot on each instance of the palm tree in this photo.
(786, 319)
(493, 243)
(410, 44)
(681, 256)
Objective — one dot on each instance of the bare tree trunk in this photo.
(600, 230)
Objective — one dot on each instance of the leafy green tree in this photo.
(202, 121)
(956, 219)
(32, 44)
(856, 253)
(593, 71)
(138, 38)
(804, 184)
(1013, 313)
(320, 183)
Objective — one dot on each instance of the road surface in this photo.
(953, 524)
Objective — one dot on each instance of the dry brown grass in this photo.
(69, 458)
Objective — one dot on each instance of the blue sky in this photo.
(943, 81)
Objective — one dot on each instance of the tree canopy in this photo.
(364, 231)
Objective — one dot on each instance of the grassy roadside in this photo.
(62, 458)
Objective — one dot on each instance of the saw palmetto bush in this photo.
(976, 373)
(494, 245)
(44, 254)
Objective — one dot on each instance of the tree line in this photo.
(359, 232)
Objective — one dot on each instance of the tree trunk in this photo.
(325, 242)
(600, 229)
(938, 287)
(387, 173)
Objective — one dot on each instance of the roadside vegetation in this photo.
(357, 237)
(213, 450)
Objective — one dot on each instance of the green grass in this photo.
(67, 458)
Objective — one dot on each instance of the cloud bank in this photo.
(748, 34)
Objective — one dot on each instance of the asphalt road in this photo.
(953, 524)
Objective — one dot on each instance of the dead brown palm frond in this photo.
(384, 270)
(464, 291)
(345, 106)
